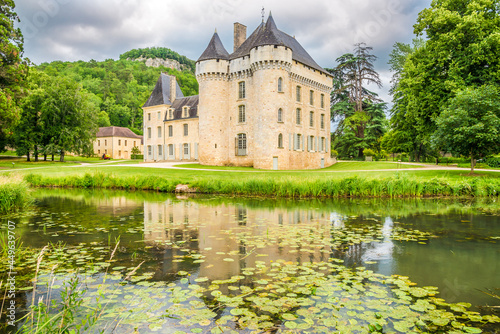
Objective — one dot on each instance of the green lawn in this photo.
(359, 165)
(344, 170)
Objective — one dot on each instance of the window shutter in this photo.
(295, 141)
(290, 141)
(316, 144)
(236, 146)
(181, 152)
(302, 143)
(189, 151)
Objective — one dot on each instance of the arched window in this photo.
(280, 85)
(241, 114)
(280, 115)
(241, 144)
(280, 141)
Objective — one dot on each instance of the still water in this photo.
(249, 265)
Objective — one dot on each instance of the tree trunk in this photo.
(35, 153)
(437, 161)
(471, 163)
(62, 156)
(45, 157)
(28, 156)
(52, 156)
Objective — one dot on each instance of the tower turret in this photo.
(212, 75)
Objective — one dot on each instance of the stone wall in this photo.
(116, 147)
(157, 62)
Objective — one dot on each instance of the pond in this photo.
(145, 262)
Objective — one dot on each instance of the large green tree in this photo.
(12, 69)
(358, 112)
(461, 50)
(470, 124)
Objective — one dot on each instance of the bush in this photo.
(368, 152)
(492, 162)
(137, 157)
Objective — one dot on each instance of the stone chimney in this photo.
(173, 88)
(240, 35)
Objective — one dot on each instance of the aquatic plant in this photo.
(14, 193)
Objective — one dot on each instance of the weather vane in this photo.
(263, 13)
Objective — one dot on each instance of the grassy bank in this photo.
(14, 193)
(316, 185)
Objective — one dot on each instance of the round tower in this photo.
(212, 75)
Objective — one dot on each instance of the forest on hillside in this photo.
(118, 88)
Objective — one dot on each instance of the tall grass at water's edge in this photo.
(14, 193)
(399, 185)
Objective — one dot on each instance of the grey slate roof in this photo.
(269, 34)
(215, 50)
(190, 101)
(161, 92)
(116, 131)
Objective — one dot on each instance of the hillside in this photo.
(120, 87)
(159, 53)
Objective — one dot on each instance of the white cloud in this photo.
(72, 30)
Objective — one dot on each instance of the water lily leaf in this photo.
(290, 324)
(472, 330)
(289, 316)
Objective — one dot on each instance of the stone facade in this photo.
(267, 105)
(117, 142)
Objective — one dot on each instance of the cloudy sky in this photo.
(71, 30)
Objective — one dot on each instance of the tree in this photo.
(351, 98)
(70, 116)
(470, 124)
(461, 50)
(12, 69)
(135, 151)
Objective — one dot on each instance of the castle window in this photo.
(311, 119)
(125, 143)
(310, 143)
(160, 151)
(241, 90)
(185, 112)
(159, 115)
(322, 121)
(185, 129)
(241, 144)
(322, 144)
(170, 131)
(149, 116)
(134, 143)
(119, 141)
(98, 151)
(149, 133)
(241, 114)
(171, 149)
(149, 150)
(105, 142)
(170, 113)
(298, 141)
(280, 85)
(98, 143)
(120, 154)
(280, 141)
(297, 92)
(186, 150)
(298, 114)
(323, 101)
(280, 115)
(159, 132)
(311, 97)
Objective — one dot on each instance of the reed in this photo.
(14, 193)
(317, 186)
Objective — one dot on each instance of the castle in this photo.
(266, 105)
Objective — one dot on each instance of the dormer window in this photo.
(185, 112)
(170, 113)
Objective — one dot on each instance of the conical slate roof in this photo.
(215, 50)
(269, 34)
(161, 92)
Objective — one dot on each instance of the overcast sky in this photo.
(71, 30)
